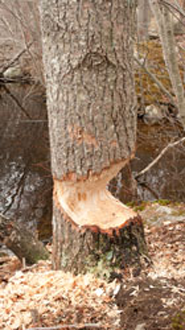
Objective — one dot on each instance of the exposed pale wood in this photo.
(89, 203)
(82, 249)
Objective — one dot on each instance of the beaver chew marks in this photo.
(89, 203)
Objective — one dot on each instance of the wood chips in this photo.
(40, 297)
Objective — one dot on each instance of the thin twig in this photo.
(158, 83)
(17, 56)
(176, 7)
(170, 145)
(20, 80)
(17, 102)
(70, 326)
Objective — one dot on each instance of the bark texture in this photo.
(88, 59)
(101, 252)
(87, 49)
(21, 241)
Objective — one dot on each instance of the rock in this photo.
(164, 210)
(13, 72)
(160, 215)
(152, 115)
(141, 326)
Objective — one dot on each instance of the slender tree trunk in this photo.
(88, 60)
(165, 26)
(143, 19)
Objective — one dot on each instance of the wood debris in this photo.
(41, 297)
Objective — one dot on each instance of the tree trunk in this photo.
(143, 19)
(21, 241)
(165, 27)
(87, 47)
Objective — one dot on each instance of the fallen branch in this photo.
(21, 241)
(170, 145)
(69, 326)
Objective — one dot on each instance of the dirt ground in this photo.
(156, 300)
(152, 304)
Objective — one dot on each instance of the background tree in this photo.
(20, 30)
(165, 26)
(88, 59)
(143, 19)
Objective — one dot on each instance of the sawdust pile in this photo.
(41, 297)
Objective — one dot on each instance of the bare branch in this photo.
(16, 57)
(157, 82)
(155, 161)
(176, 7)
(24, 111)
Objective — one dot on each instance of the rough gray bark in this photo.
(21, 241)
(90, 88)
(88, 59)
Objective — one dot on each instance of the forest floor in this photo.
(38, 298)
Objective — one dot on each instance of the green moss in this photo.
(162, 202)
(103, 268)
(131, 204)
(137, 206)
(178, 322)
(3, 254)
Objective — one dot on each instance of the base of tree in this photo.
(92, 230)
(90, 249)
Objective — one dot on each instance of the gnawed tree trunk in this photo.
(87, 48)
(21, 241)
